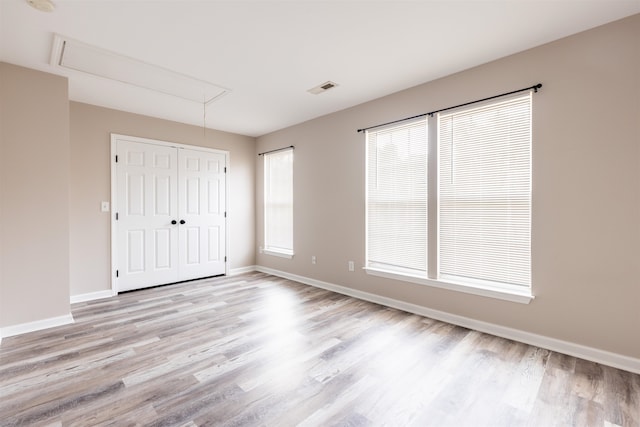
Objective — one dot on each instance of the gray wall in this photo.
(34, 196)
(586, 189)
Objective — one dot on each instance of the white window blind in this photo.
(397, 198)
(278, 201)
(485, 192)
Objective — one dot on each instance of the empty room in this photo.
(320, 213)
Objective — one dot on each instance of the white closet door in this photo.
(147, 241)
(201, 193)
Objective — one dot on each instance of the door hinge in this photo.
(225, 169)
(225, 259)
(225, 214)
(116, 158)
(117, 273)
(116, 216)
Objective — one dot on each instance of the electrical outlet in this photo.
(104, 206)
(313, 259)
(352, 266)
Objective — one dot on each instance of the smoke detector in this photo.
(42, 5)
(322, 87)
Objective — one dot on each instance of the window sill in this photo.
(523, 296)
(281, 254)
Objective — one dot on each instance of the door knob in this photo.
(174, 222)
(182, 221)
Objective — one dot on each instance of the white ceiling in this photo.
(269, 53)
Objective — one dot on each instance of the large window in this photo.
(278, 203)
(397, 198)
(473, 231)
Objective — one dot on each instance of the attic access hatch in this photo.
(77, 56)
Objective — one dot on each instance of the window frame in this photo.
(410, 126)
(268, 248)
(507, 292)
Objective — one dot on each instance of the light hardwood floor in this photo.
(256, 350)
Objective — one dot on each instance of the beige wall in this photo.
(91, 127)
(586, 189)
(34, 196)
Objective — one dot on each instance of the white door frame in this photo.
(114, 208)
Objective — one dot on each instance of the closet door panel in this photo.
(202, 208)
(147, 241)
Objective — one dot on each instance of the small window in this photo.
(278, 203)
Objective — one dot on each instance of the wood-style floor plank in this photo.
(258, 350)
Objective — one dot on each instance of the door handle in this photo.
(174, 222)
(182, 221)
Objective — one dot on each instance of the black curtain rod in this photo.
(277, 149)
(534, 87)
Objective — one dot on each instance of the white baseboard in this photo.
(242, 270)
(91, 296)
(577, 350)
(38, 325)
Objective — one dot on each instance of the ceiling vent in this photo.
(77, 56)
(322, 88)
